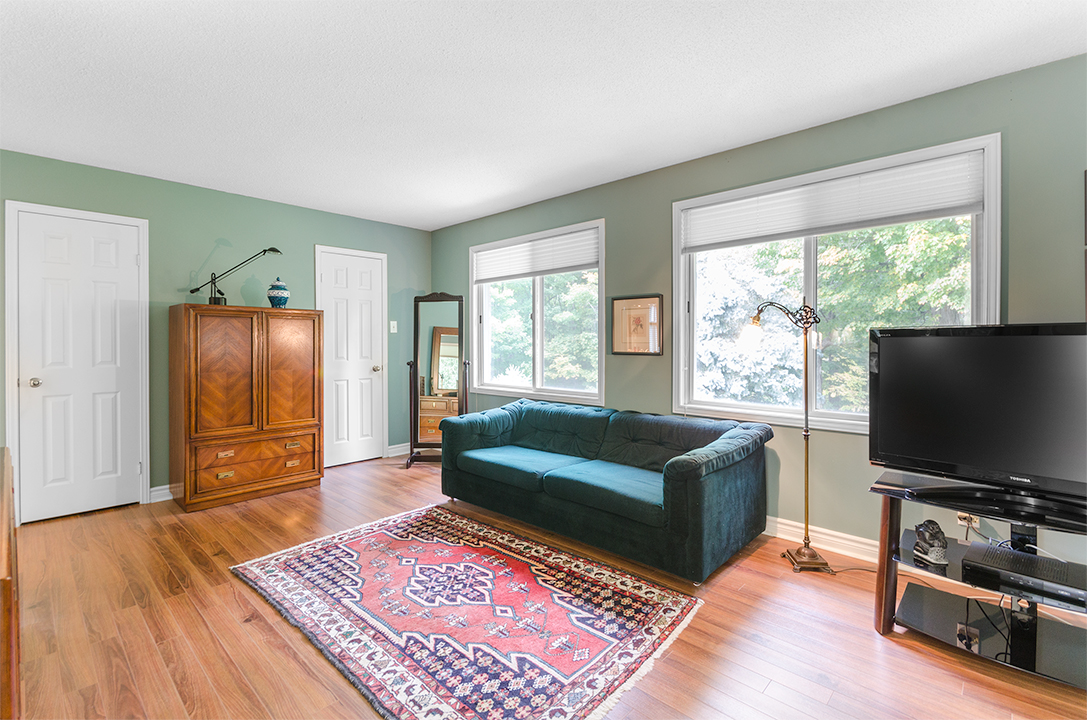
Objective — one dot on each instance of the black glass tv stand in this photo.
(1021, 635)
(1019, 507)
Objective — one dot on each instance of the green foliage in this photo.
(570, 334)
(509, 332)
(571, 337)
(731, 284)
(914, 274)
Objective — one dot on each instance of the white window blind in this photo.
(940, 187)
(578, 250)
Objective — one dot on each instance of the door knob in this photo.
(35, 382)
(376, 368)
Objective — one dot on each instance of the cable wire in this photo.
(1046, 552)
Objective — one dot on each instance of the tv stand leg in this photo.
(890, 533)
(1024, 635)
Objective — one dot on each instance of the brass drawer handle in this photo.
(225, 453)
(293, 445)
(225, 475)
(292, 463)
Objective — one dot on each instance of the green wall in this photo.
(1042, 116)
(194, 232)
(1041, 113)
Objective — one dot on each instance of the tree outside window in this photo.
(908, 275)
(571, 341)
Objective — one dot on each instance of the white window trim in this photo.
(476, 337)
(985, 283)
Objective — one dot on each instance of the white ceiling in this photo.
(430, 113)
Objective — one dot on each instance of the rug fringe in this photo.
(612, 700)
(368, 694)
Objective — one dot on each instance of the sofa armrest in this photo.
(489, 428)
(715, 497)
(729, 449)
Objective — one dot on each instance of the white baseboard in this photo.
(837, 542)
(401, 449)
(160, 493)
(823, 539)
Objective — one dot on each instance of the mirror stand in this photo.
(448, 381)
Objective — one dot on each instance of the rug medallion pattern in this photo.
(434, 615)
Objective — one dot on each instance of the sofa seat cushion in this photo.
(631, 492)
(514, 465)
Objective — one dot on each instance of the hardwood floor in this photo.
(133, 612)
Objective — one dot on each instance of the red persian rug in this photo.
(433, 615)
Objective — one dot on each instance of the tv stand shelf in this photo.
(1018, 636)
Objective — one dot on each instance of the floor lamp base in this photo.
(806, 558)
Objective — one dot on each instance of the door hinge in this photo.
(139, 468)
(137, 261)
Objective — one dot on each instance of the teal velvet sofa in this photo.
(680, 494)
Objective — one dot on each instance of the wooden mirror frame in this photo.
(416, 444)
(435, 358)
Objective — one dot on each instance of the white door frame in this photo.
(12, 208)
(318, 251)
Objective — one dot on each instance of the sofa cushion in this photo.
(650, 441)
(627, 491)
(557, 428)
(513, 465)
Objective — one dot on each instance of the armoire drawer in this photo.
(430, 421)
(243, 473)
(209, 456)
(437, 404)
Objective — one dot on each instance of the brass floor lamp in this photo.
(804, 557)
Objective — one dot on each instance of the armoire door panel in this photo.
(225, 397)
(293, 380)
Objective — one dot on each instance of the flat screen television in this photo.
(1001, 407)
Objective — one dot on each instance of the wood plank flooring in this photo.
(133, 612)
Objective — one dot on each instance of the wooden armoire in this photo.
(246, 402)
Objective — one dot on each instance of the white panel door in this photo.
(79, 381)
(351, 292)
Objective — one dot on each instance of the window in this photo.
(536, 301)
(903, 241)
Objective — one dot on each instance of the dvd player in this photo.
(1046, 580)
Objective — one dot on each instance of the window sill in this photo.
(593, 399)
(852, 423)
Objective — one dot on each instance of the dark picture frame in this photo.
(637, 325)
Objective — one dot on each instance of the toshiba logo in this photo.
(1020, 479)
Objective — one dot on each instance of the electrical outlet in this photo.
(968, 519)
(967, 637)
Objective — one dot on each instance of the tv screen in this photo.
(1002, 405)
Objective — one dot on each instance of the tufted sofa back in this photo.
(565, 429)
(649, 441)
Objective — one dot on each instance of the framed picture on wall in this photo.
(636, 325)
